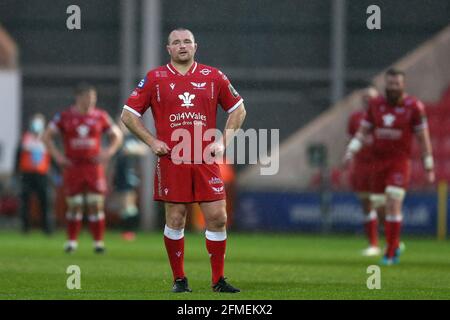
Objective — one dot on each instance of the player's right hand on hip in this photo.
(160, 148)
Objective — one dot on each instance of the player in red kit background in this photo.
(183, 96)
(82, 127)
(393, 120)
(361, 172)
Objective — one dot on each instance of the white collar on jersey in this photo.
(191, 70)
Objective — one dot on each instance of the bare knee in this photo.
(75, 204)
(216, 220)
(175, 215)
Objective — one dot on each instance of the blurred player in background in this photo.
(32, 166)
(83, 160)
(184, 94)
(393, 120)
(360, 173)
(126, 180)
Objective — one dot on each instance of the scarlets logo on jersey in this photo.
(205, 71)
(218, 190)
(199, 86)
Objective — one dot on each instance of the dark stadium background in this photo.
(278, 54)
(241, 37)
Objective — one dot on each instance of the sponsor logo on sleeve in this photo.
(233, 91)
(142, 83)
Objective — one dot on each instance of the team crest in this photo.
(388, 120)
(83, 131)
(187, 99)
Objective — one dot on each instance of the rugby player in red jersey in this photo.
(183, 96)
(81, 127)
(394, 119)
(361, 172)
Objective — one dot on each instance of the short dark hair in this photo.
(179, 29)
(394, 72)
(82, 88)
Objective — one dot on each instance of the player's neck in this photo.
(83, 109)
(182, 68)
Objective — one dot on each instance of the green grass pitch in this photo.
(263, 266)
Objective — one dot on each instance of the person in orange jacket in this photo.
(32, 167)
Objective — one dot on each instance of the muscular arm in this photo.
(116, 139)
(57, 155)
(356, 143)
(136, 126)
(423, 137)
(234, 122)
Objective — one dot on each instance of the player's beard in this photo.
(393, 96)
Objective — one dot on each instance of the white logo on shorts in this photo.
(218, 190)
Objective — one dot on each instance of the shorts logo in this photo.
(215, 180)
(218, 190)
(172, 85)
(186, 98)
(166, 191)
(205, 71)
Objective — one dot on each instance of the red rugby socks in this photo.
(74, 223)
(97, 226)
(216, 243)
(371, 228)
(174, 241)
(392, 229)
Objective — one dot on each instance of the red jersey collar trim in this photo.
(175, 71)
